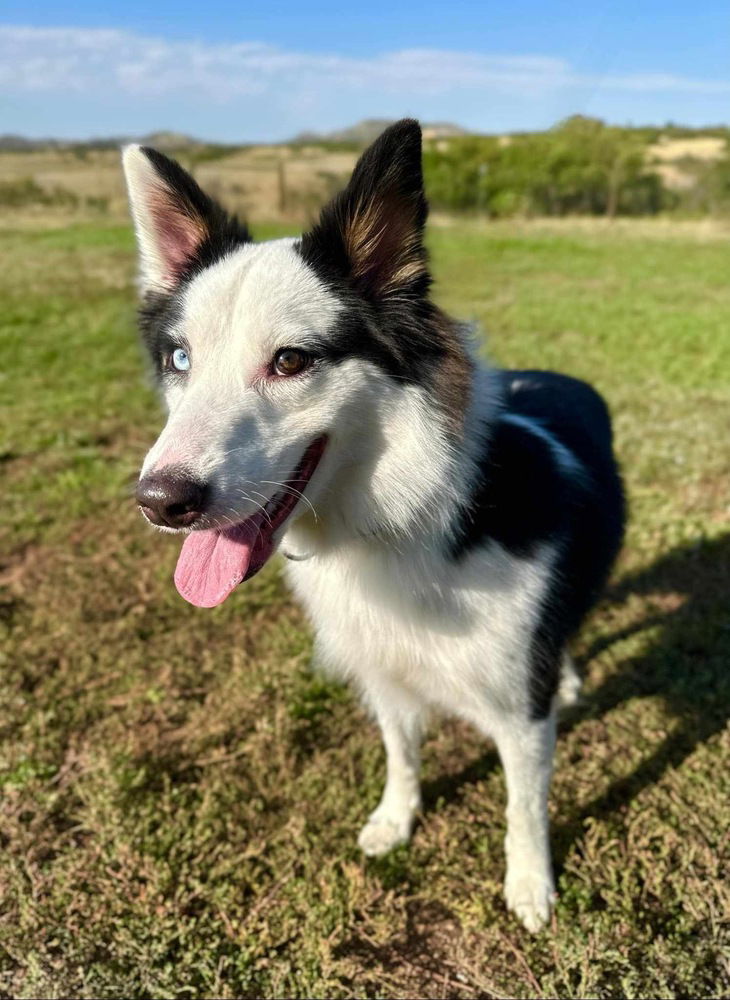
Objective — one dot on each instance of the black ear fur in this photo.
(180, 229)
(371, 233)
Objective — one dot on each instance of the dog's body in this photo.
(447, 527)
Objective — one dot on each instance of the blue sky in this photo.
(246, 72)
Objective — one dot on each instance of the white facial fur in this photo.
(242, 431)
(231, 423)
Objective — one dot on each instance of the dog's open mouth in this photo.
(213, 562)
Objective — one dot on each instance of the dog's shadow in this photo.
(685, 661)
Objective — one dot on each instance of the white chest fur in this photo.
(455, 637)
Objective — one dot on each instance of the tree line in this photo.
(581, 166)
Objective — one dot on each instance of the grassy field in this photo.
(181, 796)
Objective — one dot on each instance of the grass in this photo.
(181, 796)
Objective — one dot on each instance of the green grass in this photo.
(181, 797)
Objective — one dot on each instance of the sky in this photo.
(245, 72)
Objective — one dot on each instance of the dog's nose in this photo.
(171, 498)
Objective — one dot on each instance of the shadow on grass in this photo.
(446, 787)
(687, 664)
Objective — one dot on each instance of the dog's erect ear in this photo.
(371, 234)
(179, 228)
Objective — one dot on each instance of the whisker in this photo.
(263, 505)
(250, 499)
(294, 492)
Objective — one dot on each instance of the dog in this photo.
(446, 525)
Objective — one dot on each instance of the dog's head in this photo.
(308, 382)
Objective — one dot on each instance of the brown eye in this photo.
(290, 361)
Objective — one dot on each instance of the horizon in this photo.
(273, 73)
(324, 135)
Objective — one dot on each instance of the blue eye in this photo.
(180, 360)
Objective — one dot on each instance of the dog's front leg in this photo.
(401, 723)
(526, 749)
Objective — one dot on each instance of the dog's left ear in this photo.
(179, 228)
(371, 234)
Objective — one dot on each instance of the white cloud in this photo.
(120, 63)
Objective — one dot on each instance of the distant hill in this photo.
(20, 144)
(160, 140)
(370, 128)
(357, 135)
(171, 140)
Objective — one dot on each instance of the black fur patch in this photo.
(157, 316)
(526, 497)
(415, 344)
(383, 282)
(371, 234)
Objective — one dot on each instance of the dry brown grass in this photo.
(261, 183)
(674, 159)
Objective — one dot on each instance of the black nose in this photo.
(171, 497)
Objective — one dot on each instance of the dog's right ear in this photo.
(179, 228)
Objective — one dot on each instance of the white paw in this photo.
(380, 835)
(530, 896)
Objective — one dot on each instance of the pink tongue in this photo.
(213, 563)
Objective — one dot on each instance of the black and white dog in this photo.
(448, 526)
